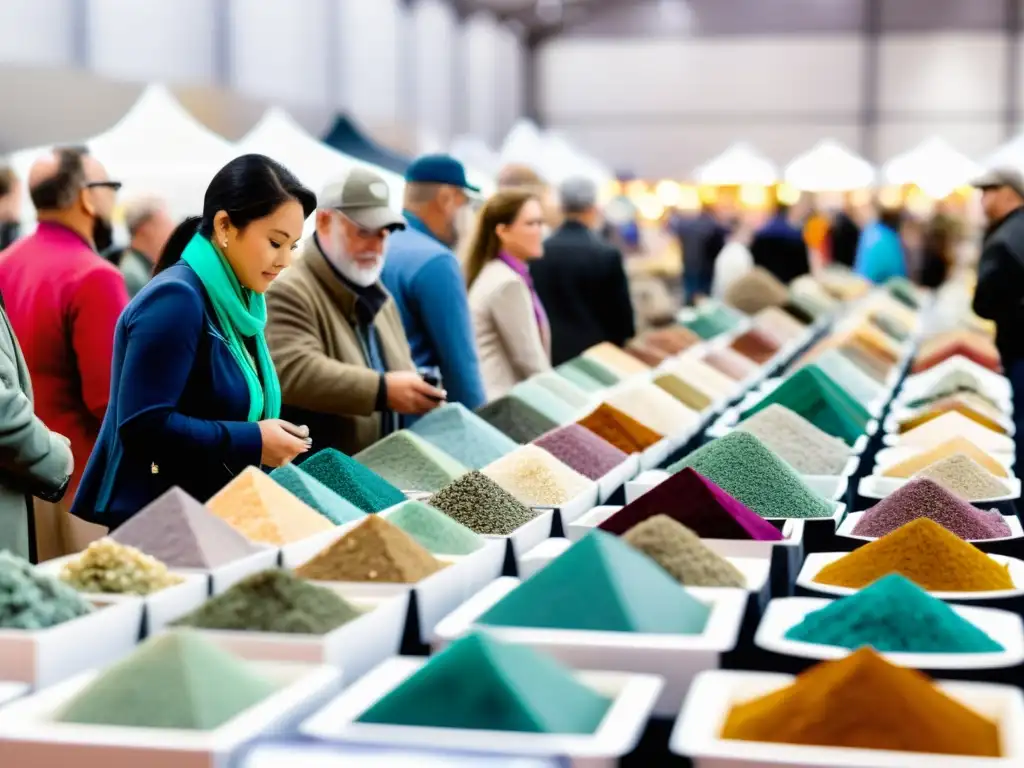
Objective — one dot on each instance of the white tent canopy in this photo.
(1009, 155)
(830, 167)
(158, 148)
(524, 144)
(279, 136)
(934, 166)
(472, 151)
(739, 165)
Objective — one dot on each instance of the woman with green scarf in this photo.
(194, 395)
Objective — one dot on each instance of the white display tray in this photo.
(437, 594)
(890, 457)
(11, 691)
(846, 529)
(583, 501)
(993, 442)
(879, 486)
(920, 385)
(1004, 627)
(892, 421)
(356, 647)
(818, 560)
(697, 732)
(615, 479)
(44, 657)
(161, 608)
(30, 736)
(675, 657)
(657, 454)
(618, 733)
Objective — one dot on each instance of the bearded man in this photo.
(335, 333)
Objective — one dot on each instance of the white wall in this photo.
(37, 32)
(511, 81)
(663, 105)
(666, 105)
(435, 30)
(480, 54)
(370, 58)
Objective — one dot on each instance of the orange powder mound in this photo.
(647, 354)
(624, 432)
(924, 552)
(617, 360)
(864, 702)
(919, 461)
(263, 511)
(880, 345)
(954, 403)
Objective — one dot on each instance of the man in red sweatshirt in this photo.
(63, 300)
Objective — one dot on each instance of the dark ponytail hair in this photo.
(248, 188)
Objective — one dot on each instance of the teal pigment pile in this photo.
(464, 436)
(352, 481)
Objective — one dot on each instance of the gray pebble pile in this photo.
(464, 436)
(680, 551)
(962, 475)
(482, 505)
(409, 462)
(803, 446)
(517, 419)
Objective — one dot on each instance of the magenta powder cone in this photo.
(700, 505)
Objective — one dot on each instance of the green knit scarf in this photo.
(240, 313)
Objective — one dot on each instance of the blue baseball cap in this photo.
(438, 169)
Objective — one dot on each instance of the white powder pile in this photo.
(654, 408)
(962, 475)
(536, 478)
(708, 380)
(780, 326)
(953, 424)
(807, 449)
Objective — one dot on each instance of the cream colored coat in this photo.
(508, 340)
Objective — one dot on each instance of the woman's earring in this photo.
(224, 243)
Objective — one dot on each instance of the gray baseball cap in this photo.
(1001, 177)
(362, 195)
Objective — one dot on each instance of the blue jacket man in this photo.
(425, 279)
(880, 251)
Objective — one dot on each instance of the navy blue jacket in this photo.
(177, 408)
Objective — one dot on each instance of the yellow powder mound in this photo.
(924, 552)
(617, 360)
(919, 461)
(263, 511)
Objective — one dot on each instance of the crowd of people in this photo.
(878, 243)
(229, 340)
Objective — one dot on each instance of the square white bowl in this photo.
(893, 455)
(11, 691)
(677, 658)
(576, 506)
(994, 442)
(697, 733)
(226, 576)
(43, 657)
(355, 647)
(657, 454)
(918, 385)
(818, 560)
(527, 536)
(617, 478)
(161, 608)
(1004, 627)
(29, 735)
(880, 486)
(645, 482)
(618, 733)
(437, 594)
(898, 415)
(847, 526)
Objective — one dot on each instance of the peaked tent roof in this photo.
(830, 167)
(738, 165)
(934, 165)
(348, 138)
(1009, 155)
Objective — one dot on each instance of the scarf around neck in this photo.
(240, 313)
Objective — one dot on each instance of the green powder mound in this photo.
(273, 601)
(409, 462)
(464, 436)
(316, 495)
(433, 529)
(890, 327)
(812, 394)
(352, 481)
(543, 400)
(893, 615)
(482, 684)
(175, 680)
(563, 389)
(808, 306)
(712, 319)
(483, 506)
(601, 583)
(844, 372)
(902, 289)
(743, 467)
(520, 421)
(581, 369)
(33, 600)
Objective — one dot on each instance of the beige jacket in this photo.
(508, 340)
(326, 381)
